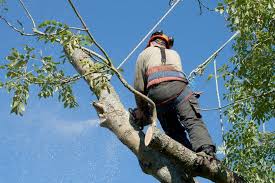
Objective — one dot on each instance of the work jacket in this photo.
(147, 63)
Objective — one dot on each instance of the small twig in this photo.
(88, 32)
(64, 29)
(201, 4)
(92, 53)
(28, 13)
(16, 29)
(77, 28)
(75, 78)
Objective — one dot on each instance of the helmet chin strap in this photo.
(156, 44)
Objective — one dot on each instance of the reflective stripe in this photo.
(163, 74)
(166, 75)
(160, 68)
(159, 80)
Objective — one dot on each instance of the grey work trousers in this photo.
(179, 117)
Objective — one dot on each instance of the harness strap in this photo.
(159, 74)
(165, 74)
(183, 95)
(160, 68)
(162, 76)
(163, 55)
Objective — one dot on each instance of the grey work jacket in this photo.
(148, 58)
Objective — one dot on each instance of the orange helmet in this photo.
(160, 35)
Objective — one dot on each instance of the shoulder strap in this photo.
(163, 55)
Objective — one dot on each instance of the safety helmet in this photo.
(160, 35)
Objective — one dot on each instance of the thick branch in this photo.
(209, 168)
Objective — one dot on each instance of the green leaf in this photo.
(209, 76)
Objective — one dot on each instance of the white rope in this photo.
(201, 67)
(150, 32)
(219, 102)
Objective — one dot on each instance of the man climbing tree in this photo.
(159, 75)
(250, 80)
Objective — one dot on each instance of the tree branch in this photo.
(88, 32)
(28, 13)
(198, 164)
(201, 4)
(14, 28)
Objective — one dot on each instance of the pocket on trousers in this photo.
(195, 106)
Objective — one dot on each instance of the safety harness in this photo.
(158, 74)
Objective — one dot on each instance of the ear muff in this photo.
(171, 42)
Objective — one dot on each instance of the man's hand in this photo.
(139, 117)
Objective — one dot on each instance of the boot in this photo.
(209, 150)
(206, 155)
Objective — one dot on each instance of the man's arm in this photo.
(139, 85)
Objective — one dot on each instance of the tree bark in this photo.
(165, 159)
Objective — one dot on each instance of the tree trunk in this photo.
(165, 159)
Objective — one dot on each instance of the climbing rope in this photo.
(200, 69)
(219, 102)
(174, 4)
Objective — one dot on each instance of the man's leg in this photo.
(190, 118)
(173, 128)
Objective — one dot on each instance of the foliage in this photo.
(24, 70)
(251, 73)
(43, 73)
(55, 31)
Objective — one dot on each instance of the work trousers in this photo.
(178, 117)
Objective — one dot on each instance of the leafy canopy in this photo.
(31, 68)
(251, 73)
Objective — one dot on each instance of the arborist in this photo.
(159, 76)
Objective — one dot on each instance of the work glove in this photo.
(139, 117)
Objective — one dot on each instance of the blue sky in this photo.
(57, 145)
